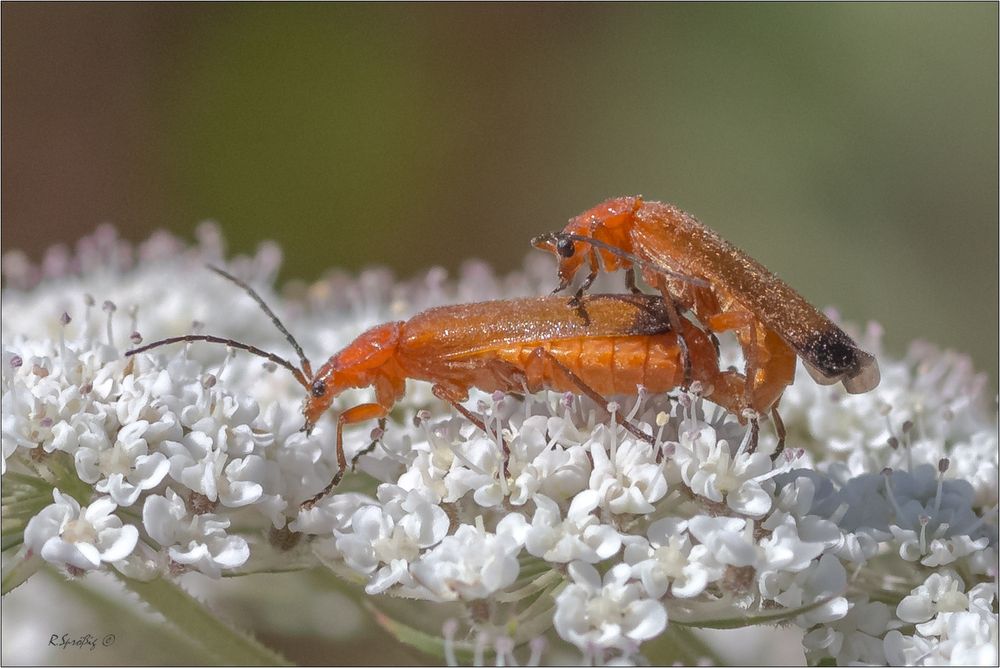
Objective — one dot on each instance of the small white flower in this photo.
(384, 540)
(580, 536)
(820, 587)
(606, 614)
(934, 518)
(135, 398)
(729, 539)
(630, 482)
(859, 504)
(797, 497)
(557, 472)
(710, 468)
(144, 564)
(304, 467)
(83, 538)
(972, 639)
(40, 407)
(855, 638)
(473, 564)
(123, 470)
(669, 562)
(196, 541)
(940, 592)
(973, 461)
(477, 467)
(535, 466)
(786, 550)
(332, 513)
(911, 650)
(954, 636)
(196, 463)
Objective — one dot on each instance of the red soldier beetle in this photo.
(621, 342)
(726, 289)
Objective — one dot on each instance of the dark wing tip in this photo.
(866, 377)
(863, 377)
(832, 356)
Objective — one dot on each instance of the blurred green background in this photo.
(852, 148)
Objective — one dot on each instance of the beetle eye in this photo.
(565, 248)
(318, 388)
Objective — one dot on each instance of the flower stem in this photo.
(225, 643)
(680, 645)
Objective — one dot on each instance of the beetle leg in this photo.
(563, 284)
(359, 413)
(369, 449)
(541, 355)
(746, 331)
(630, 281)
(779, 428)
(715, 342)
(453, 397)
(754, 435)
(728, 391)
(674, 317)
(595, 269)
(753, 361)
(675, 324)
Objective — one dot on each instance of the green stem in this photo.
(679, 645)
(536, 585)
(18, 481)
(225, 643)
(17, 569)
(119, 611)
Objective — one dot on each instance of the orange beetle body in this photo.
(609, 344)
(620, 342)
(730, 292)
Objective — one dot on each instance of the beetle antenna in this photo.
(306, 366)
(554, 236)
(299, 376)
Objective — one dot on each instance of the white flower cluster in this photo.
(875, 531)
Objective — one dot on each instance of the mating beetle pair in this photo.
(595, 345)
